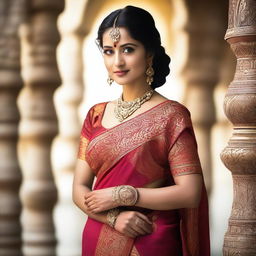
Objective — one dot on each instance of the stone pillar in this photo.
(69, 95)
(240, 107)
(221, 179)
(205, 28)
(38, 125)
(67, 100)
(12, 13)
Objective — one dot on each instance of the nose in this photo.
(119, 60)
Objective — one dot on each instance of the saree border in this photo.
(113, 243)
(131, 134)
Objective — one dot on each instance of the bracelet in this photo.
(112, 216)
(125, 195)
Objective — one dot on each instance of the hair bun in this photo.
(160, 65)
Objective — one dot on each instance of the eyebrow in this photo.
(123, 45)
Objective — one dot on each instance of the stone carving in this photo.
(242, 18)
(240, 107)
(246, 15)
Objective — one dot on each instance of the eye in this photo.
(108, 51)
(128, 50)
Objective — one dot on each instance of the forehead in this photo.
(124, 39)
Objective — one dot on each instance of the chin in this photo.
(123, 81)
(127, 81)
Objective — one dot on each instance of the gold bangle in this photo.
(112, 216)
(125, 195)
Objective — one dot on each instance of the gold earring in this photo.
(150, 73)
(110, 81)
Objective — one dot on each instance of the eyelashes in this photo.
(126, 50)
(107, 52)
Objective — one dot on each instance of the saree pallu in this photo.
(148, 150)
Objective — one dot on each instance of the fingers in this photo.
(94, 208)
(90, 204)
(143, 227)
(144, 217)
(131, 224)
(131, 232)
(88, 199)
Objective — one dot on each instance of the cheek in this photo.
(107, 63)
(139, 62)
(140, 65)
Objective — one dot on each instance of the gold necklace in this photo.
(124, 109)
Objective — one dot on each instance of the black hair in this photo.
(141, 27)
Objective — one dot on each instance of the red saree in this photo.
(145, 151)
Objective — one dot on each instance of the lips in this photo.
(121, 72)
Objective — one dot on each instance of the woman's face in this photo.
(126, 61)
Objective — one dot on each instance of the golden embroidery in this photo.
(134, 252)
(83, 143)
(169, 126)
(109, 147)
(98, 112)
(183, 156)
(162, 125)
(111, 243)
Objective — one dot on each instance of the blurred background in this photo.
(51, 73)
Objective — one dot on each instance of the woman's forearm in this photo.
(78, 197)
(171, 197)
(185, 194)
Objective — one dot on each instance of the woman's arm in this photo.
(186, 193)
(82, 184)
(129, 223)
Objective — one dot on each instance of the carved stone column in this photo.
(205, 29)
(39, 125)
(12, 13)
(67, 100)
(240, 107)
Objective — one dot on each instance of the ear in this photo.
(150, 57)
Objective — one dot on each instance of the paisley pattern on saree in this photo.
(109, 147)
(113, 243)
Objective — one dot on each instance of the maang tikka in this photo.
(115, 32)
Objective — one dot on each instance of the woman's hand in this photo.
(133, 224)
(99, 200)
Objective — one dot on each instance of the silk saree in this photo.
(147, 150)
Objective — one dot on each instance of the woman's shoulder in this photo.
(178, 116)
(96, 109)
(173, 106)
(178, 107)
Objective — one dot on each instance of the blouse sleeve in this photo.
(85, 137)
(183, 156)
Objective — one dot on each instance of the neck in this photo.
(130, 94)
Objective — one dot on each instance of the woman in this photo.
(149, 197)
